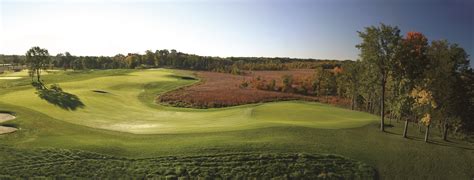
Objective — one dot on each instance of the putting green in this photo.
(127, 106)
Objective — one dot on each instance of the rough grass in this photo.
(59, 163)
(223, 90)
(392, 156)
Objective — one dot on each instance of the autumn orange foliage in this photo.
(417, 39)
(222, 89)
(337, 70)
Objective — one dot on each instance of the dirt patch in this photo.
(6, 117)
(222, 90)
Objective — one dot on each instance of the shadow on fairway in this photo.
(448, 143)
(55, 95)
(181, 77)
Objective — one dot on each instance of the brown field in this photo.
(222, 90)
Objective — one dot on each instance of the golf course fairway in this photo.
(118, 129)
(114, 103)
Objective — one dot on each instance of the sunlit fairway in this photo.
(114, 103)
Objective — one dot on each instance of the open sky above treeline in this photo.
(321, 29)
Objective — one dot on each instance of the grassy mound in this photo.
(80, 164)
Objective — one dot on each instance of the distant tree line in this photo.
(171, 59)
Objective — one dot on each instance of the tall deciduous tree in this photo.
(67, 60)
(448, 63)
(38, 60)
(409, 70)
(424, 104)
(379, 47)
(351, 78)
(149, 58)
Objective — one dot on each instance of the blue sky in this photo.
(323, 29)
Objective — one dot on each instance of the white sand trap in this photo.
(6, 117)
(135, 125)
(6, 130)
(11, 77)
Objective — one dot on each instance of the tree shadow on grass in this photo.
(432, 140)
(450, 144)
(55, 95)
(394, 133)
(442, 143)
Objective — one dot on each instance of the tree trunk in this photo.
(38, 75)
(352, 102)
(405, 130)
(427, 133)
(382, 104)
(445, 132)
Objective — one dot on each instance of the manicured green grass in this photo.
(288, 127)
(119, 109)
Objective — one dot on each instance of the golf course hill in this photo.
(108, 124)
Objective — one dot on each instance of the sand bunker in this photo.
(6, 117)
(6, 130)
(10, 77)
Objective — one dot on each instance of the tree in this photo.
(444, 79)
(67, 60)
(409, 70)
(351, 80)
(37, 59)
(379, 47)
(132, 60)
(317, 80)
(157, 58)
(15, 60)
(149, 58)
(323, 81)
(163, 56)
(424, 104)
(287, 83)
(59, 60)
(173, 58)
(235, 70)
(119, 61)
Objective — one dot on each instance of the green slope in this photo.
(120, 109)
